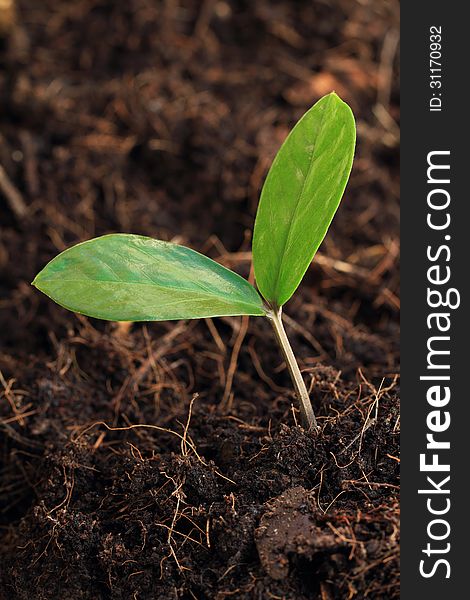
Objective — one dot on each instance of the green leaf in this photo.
(300, 196)
(122, 277)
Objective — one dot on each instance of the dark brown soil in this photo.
(164, 460)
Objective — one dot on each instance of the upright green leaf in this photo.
(300, 196)
(122, 277)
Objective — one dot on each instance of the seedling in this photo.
(121, 277)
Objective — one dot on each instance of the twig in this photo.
(226, 400)
(13, 196)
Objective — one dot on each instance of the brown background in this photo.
(162, 118)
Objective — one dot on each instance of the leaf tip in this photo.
(38, 281)
(336, 97)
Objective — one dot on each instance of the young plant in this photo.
(121, 277)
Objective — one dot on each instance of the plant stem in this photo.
(306, 410)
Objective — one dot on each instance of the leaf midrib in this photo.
(161, 287)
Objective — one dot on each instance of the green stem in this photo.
(306, 410)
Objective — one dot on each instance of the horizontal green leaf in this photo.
(122, 277)
(300, 196)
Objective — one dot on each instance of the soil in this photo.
(165, 460)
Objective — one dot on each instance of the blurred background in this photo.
(162, 117)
